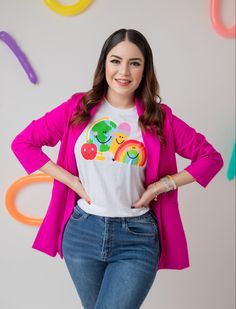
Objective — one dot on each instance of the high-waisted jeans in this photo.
(112, 261)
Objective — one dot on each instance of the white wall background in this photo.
(196, 71)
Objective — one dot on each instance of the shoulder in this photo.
(167, 109)
(67, 108)
(75, 101)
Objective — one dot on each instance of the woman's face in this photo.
(124, 68)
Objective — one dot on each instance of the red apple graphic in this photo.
(89, 151)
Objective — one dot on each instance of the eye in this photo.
(115, 61)
(135, 63)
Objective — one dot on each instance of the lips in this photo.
(123, 82)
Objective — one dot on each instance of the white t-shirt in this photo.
(111, 159)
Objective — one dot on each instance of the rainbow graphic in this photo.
(131, 152)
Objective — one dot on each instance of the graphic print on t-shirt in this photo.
(106, 140)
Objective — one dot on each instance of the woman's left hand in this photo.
(147, 196)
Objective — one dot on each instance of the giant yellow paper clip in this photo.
(66, 10)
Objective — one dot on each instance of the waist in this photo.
(138, 213)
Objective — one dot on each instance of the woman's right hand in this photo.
(62, 175)
(77, 186)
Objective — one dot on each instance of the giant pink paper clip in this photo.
(217, 22)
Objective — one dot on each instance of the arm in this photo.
(205, 160)
(45, 131)
(48, 130)
(156, 188)
(182, 178)
(62, 175)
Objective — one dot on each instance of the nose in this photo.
(124, 69)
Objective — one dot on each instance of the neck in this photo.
(120, 101)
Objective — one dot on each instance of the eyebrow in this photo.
(129, 59)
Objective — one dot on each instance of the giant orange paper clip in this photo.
(13, 190)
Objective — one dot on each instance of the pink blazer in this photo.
(181, 139)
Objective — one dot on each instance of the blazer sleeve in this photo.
(45, 131)
(206, 161)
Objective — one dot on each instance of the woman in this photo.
(113, 213)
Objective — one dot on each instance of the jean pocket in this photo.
(78, 214)
(142, 228)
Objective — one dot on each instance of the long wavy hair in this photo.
(148, 90)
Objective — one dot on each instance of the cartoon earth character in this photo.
(100, 135)
(121, 134)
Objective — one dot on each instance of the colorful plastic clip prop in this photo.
(66, 10)
(217, 23)
(11, 194)
(7, 38)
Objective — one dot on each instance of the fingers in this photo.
(139, 206)
(81, 192)
(87, 199)
(85, 195)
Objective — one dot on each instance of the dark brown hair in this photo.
(148, 91)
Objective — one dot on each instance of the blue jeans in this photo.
(112, 261)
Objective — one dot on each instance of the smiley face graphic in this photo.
(131, 152)
(121, 134)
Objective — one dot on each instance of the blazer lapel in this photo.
(76, 131)
(152, 145)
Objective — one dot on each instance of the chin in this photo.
(124, 91)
